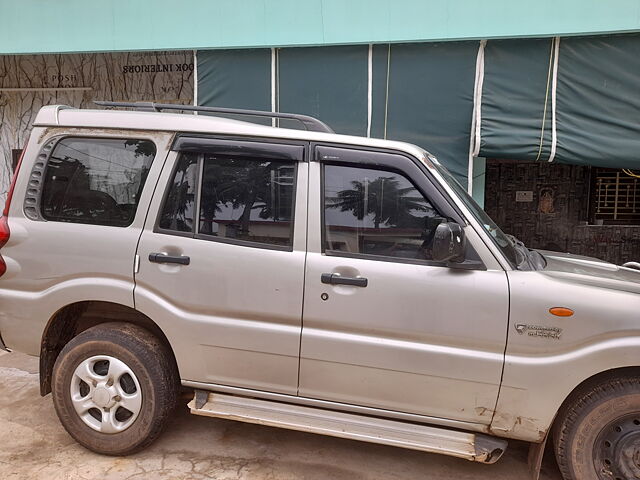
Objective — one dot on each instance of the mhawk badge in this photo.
(538, 331)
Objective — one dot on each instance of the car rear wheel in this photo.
(114, 388)
(598, 434)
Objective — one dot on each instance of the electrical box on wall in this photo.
(524, 196)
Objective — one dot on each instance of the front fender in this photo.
(534, 388)
(548, 356)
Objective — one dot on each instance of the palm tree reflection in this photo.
(390, 204)
(393, 217)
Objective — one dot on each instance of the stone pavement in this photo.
(34, 446)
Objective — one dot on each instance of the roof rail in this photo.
(310, 123)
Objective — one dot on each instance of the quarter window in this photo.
(179, 205)
(95, 180)
(376, 212)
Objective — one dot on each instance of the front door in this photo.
(222, 261)
(384, 325)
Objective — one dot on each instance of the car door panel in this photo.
(227, 328)
(419, 338)
(233, 314)
(409, 350)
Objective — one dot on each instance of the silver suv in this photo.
(298, 278)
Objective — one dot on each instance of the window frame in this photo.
(223, 141)
(412, 171)
(39, 169)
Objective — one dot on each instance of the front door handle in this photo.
(163, 258)
(335, 279)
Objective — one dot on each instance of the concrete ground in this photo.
(34, 446)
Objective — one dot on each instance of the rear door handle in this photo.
(162, 258)
(335, 279)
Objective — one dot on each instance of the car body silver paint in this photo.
(233, 315)
(602, 334)
(50, 268)
(405, 342)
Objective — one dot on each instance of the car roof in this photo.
(65, 116)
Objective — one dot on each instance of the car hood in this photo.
(591, 271)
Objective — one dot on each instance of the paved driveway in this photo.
(34, 446)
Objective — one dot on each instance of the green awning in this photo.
(419, 93)
(515, 86)
(587, 89)
(235, 79)
(598, 101)
(570, 100)
(329, 83)
(430, 99)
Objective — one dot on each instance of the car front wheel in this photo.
(598, 434)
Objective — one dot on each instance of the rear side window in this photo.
(241, 199)
(95, 180)
(247, 200)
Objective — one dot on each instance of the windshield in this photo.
(499, 238)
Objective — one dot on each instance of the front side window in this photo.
(95, 180)
(240, 199)
(376, 212)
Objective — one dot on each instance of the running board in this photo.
(471, 446)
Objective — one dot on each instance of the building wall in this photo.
(36, 26)
(556, 217)
(27, 82)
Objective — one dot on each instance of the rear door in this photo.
(384, 325)
(222, 260)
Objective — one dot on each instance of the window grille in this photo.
(615, 197)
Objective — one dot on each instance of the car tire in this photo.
(597, 436)
(114, 387)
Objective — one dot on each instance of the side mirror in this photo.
(449, 243)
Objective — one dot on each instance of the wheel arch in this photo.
(587, 384)
(537, 449)
(77, 317)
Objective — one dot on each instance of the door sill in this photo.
(471, 446)
(345, 407)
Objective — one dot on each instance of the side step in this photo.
(471, 446)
